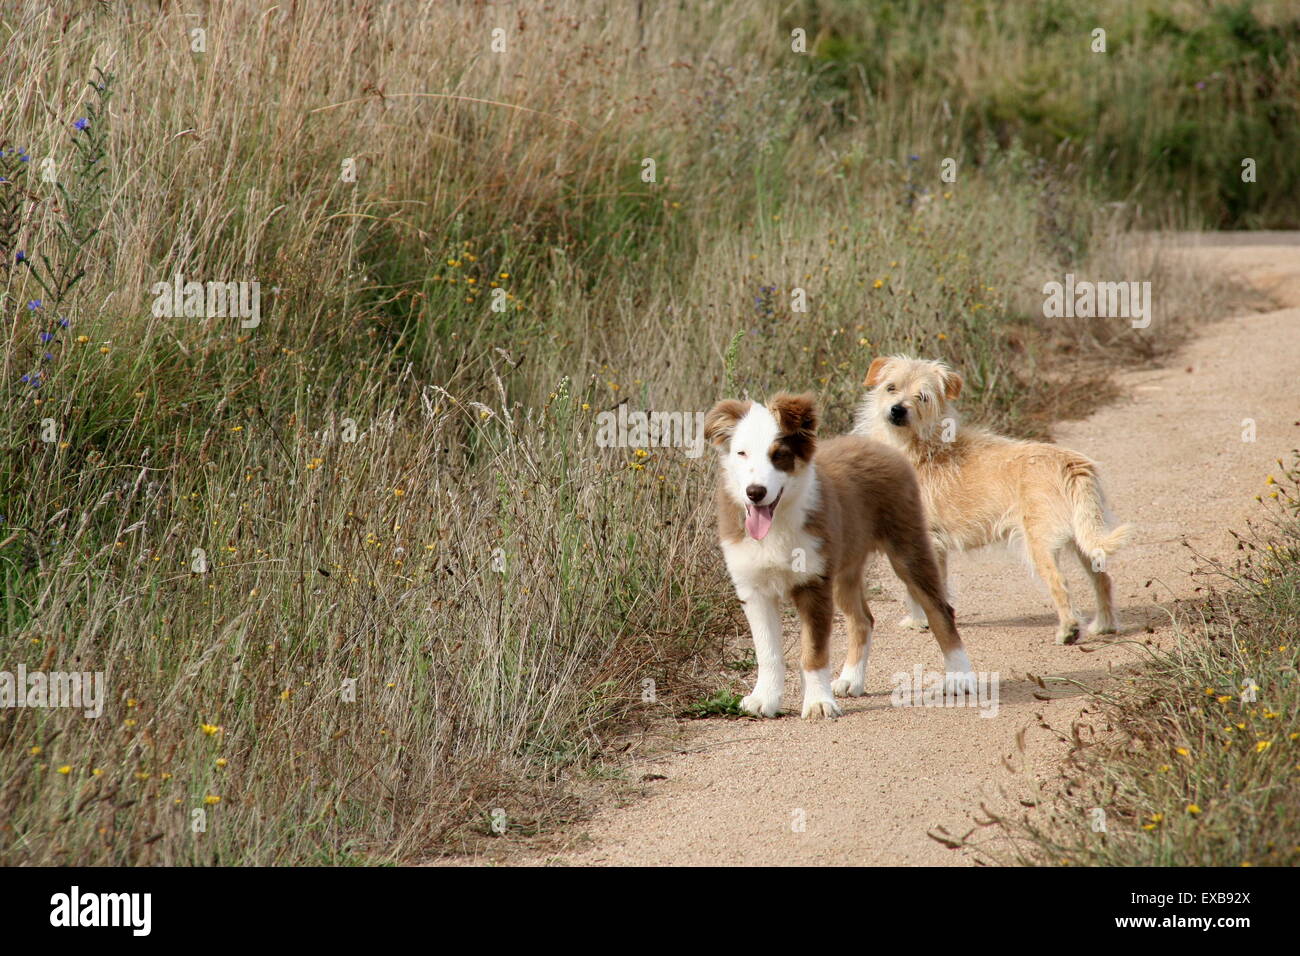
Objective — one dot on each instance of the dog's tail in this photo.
(1088, 508)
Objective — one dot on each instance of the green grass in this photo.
(724, 703)
(1161, 120)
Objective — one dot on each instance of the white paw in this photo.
(915, 624)
(818, 697)
(959, 675)
(844, 687)
(817, 707)
(959, 684)
(762, 703)
(853, 678)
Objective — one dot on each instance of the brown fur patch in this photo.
(871, 501)
(721, 420)
(816, 606)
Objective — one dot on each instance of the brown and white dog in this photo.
(799, 518)
(981, 488)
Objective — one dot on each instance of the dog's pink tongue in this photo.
(758, 521)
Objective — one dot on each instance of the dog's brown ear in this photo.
(721, 420)
(797, 417)
(951, 385)
(796, 414)
(874, 372)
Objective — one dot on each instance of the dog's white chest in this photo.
(775, 565)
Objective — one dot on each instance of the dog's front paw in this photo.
(959, 684)
(846, 687)
(761, 703)
(915, 624)
(1067, 633)
(816, 707)
(818, 697)
(853, 678)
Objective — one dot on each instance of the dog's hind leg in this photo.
(850, 599)
(916, 567)
(817, 613)
(916, 618)
(1043, 557)
(1105, 622)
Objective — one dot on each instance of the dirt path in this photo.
(869, 786)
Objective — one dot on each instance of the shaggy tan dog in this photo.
(981, 488)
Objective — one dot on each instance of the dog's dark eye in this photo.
(923, 398)
(741, 454)
(782, 458)
(890, 388)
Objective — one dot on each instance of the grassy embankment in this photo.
(1199, 761)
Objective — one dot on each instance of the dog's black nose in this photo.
(756, 493)
(898, 414)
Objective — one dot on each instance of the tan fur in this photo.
(981, 488)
